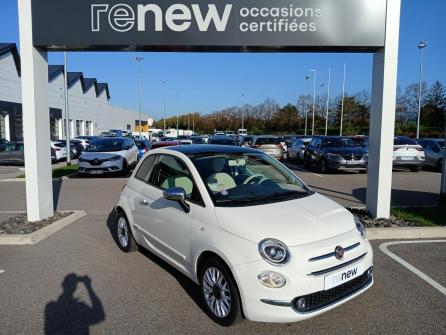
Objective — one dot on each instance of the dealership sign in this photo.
(355, 25)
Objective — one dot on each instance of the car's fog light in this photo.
(271, 279)
(370, 272)
(301, 304)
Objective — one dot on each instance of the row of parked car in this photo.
(351, 153)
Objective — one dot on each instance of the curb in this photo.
(41, 234)
(10, 180)
(405, 233)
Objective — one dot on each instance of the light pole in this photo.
(342, 103)
(164, 82)
(138, 61)
(421, 47)
(314, 97)
(176, 111)
(243, 111)
(328, 101)
(67, 113)
(306, 104)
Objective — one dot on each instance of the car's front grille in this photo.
(321, 299)
(350, 157)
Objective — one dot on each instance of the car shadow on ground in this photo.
(126, 174)
(69, 315)
(186, 283)
(57, 185)
(403, 197)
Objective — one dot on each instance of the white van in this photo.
(242, 132)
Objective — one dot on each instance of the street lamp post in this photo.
(306, 104)
(421, 47)
(164, 82)
(314, 97)
(138, 60)
(342, 103)
(176, 111)
(67, 113)
(243, 111)
(328, 101)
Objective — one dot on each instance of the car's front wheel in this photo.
(416, 168)
(219, 293)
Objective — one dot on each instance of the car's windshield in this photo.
(247, 179)
(403, 141)
(339, 142)
(267, 140)
(106, 145)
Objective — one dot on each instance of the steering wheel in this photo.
(257, 175)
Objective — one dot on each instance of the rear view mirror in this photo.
(177, 194)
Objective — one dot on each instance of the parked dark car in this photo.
(246, 141)
(143, 147)
(197, 140)
(76, 148)
(3, 144)
(14, 154)
(335, 153)
(296, 150)
(223, 140)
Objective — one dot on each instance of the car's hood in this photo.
(294, 222)
(347, 150)
(100, 155)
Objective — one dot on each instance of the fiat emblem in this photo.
(339, 252)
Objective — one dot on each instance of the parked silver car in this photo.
(433, 151)
(407, 153)
(269, 145)
(297, 148)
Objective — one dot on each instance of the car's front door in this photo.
(166, 225)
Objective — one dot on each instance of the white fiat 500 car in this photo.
(252, 235)
(109, 154)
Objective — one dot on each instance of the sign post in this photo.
(209, 25)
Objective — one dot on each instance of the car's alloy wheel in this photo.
(219, 292)
(124, 236)
(216, 292)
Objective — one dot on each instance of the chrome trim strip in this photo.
(332, 254)
(281, 303)
(321, 272)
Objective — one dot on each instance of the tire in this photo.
(288, 156)
(124, 237)
(415, 168)
(323, 166)
(225, 314)
(362, 171)
(440, 164)
(306, 163)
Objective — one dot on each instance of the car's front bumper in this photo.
(347, 165)
(105, 167)
(413, 161)
(279, 304)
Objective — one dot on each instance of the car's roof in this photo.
(197, 149)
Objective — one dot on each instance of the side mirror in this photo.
(177, 194)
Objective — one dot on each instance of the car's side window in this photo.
(170, 172)
(145, 168)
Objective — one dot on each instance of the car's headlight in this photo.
(271, 279)
(365, 157)
(333, 156)
(115, 158)
(274, 252)
(359, 226)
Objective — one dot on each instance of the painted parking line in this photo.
(2, 271)
(295, 167)
(384, 248)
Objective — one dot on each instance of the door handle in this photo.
(143, 202)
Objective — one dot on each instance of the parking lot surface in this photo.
(44, 289)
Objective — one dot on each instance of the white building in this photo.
(89, 108)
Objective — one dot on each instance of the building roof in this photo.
(56, 70)
(11, 48)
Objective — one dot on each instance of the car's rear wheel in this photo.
(219, 293)
(415, 168)
(124, 236)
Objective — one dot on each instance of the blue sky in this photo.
(208, 81)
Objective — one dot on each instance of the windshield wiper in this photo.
(273, 196)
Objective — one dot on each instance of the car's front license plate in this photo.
(408, 158)
(343, 276)
(351, 162)
(96, 172)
